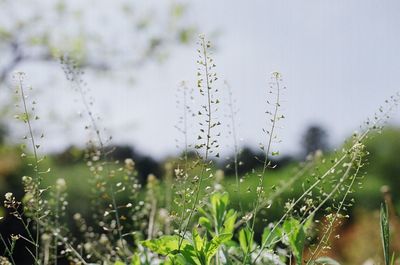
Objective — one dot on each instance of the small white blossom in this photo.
(8, 196)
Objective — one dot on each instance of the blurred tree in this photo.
(250, 159)
(315, 138)
(101, 35)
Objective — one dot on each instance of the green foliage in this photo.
(246, 240)
(218, 219)
(199, 250)
(295, 233)
(270, 237)
(164, 245)
(218, 223)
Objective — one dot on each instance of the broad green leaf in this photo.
(118, 262)
(203, 212)
(229, 223)
(212, 247)
(197, 240)
(178, 260)
(268, 239)
(296, 235)
(164, 245)
(246, 239)
(205, 222)
(219, 203)
(190, 255)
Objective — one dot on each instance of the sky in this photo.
(339, 61)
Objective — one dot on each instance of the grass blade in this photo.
(385, 232)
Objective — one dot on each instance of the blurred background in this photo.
(339, 62)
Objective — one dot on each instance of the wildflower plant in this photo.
(38, 213)
(182, 170)
(188, 218)
(207, 146)
(117, 218)
(274, 116)
(33, 206)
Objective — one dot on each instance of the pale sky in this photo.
(339, 59)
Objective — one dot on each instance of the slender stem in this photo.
(9, 252)
(267, 152)
(36, 167)
(26, 226)
(185, 157)
(338, 162)
(207, 146)
(278, 192)
(330, 227)
(103, 153)
(235, 145)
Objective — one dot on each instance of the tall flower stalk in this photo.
(74, 75)
(207, 142)
(274, 117)
(26, 118)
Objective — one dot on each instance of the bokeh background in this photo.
(339, 61)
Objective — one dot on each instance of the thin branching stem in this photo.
(207, 145)
(105, 157)
(235, 143)
(36, 165)
(320, 179)
(267, 161)
(185, 157)
(271, 198)
(327, 197)
(329, 230)
(7, 250)
(268, 149)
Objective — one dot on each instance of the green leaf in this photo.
(206, 223)
(135, 259)
(268, 239)
(385, 232)
(197, 240)
(212, 247)
(229, 222)
(164, 245)
(296, 234)
(219, 203)
(179, 259)
(326, 261)
(246, 239)
(190, 255)
(118, 262)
